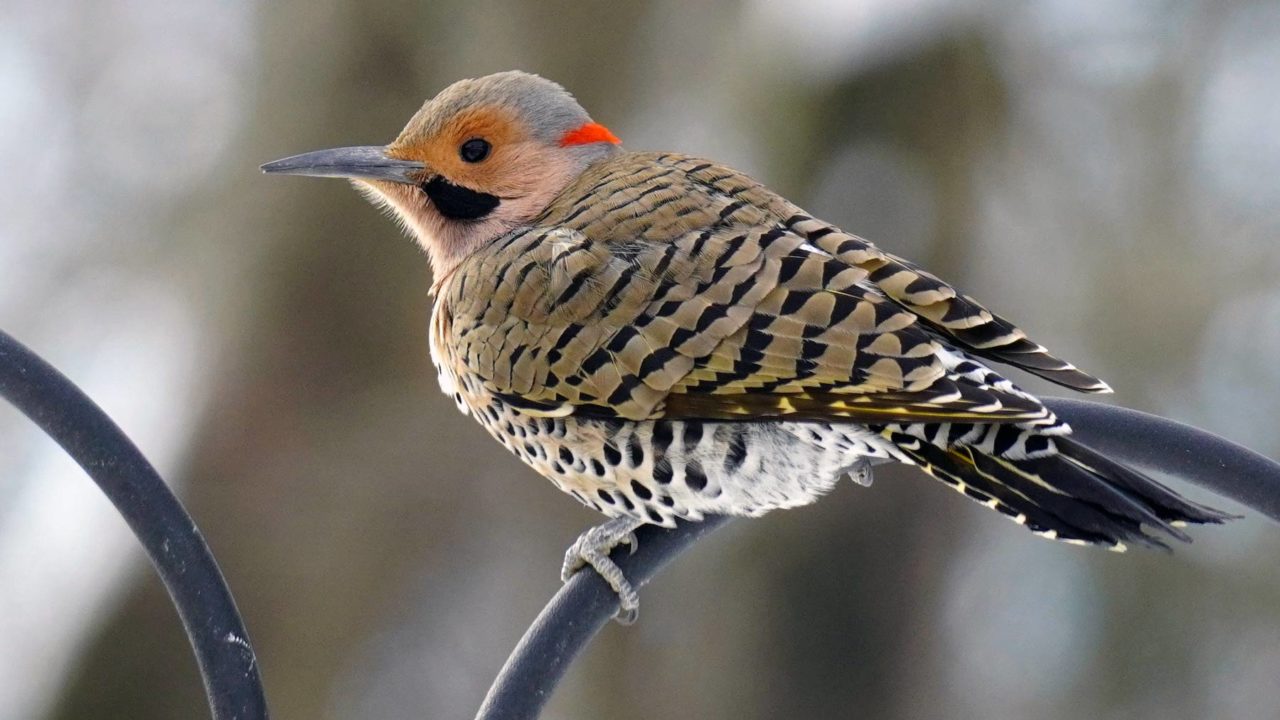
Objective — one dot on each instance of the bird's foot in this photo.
(593, 548)
(860, 471)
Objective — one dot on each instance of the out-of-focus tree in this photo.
(1100, 171)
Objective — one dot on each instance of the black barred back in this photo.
(665, 287)
(673, 339)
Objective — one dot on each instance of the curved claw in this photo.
(593, 547)
(573, 562)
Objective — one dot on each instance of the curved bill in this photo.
(366, 162)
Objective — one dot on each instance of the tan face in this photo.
(523, 174)
(498, 173)
(481, 158)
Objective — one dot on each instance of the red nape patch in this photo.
(589, 133)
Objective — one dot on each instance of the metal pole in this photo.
(172, 540)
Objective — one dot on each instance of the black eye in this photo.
(474, 150)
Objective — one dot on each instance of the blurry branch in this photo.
(579, 610)
(172, 541)
(586, 603)
(575, 614)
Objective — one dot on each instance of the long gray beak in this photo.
(366, 163)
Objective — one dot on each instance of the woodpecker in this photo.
(664, 338)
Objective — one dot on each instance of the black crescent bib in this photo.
(458, 203)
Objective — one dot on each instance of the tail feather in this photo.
(1074, 494)
(1167, 504)
(1078, 500)
(1080, 483)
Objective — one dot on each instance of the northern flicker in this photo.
(664, 337)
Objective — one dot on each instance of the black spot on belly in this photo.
(736, 456)
(662, 473)
(694, 477)
(641, 491)
(661, 438)
(612, 455)
(692, 433)
(635, 451)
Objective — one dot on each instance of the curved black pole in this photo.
(173, 542)
(575, 614)
(586, 603)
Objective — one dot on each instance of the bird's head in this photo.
(482, 157)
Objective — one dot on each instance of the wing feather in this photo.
(722, 303)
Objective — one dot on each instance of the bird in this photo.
(665, 338)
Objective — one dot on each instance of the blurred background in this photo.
(1105, 172)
